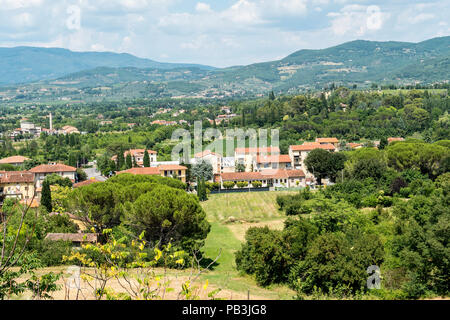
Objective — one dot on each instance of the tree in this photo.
(46, 196)
(334, 262)
(383, 143)
(129, 161)
(323, 163)
(166, 213)
(201, 190)
(202, 170)
(146, 159)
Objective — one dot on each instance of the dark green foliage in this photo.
(55, 179)
(146, 159)
(46, 196)
(335, 263)
(421, 243)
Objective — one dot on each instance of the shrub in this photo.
(242, 184)
(256, 184)
(229, 184)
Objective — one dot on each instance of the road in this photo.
(94, 173)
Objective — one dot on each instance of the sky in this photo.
(219, 33)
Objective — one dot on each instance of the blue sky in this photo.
(220, 32)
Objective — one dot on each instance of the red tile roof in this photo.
(395, 139)
(16, 177)
(47, 168)
(327, 140)
(308, 146)
(165, 167)
(258, 150)
(284, 158)
(267, 174)
(354, 145)
(143, 171)
(14, 159)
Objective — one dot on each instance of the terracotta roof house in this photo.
(173, 171)
(17, 184)
(309, 146)
(247, 156)
(265, 162)
(14, 160)
(327, 140)
(298, 153)
(138, 155)
(46, 169)
(390, 140)
(268, 178)
(355, 145)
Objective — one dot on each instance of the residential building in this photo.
(269, 162)
(172, 171)
(324, 141)
(281, 178)
(247, 156)
(138, 155)
(44, 170)
(213, 158)
(17, 184)
(298, 154)
(14, 160)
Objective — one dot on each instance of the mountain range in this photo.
(358, 62)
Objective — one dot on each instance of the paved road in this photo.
(94, 173)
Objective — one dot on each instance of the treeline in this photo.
(389, 209)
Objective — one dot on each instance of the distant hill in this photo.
(30, 64)
(357, 62)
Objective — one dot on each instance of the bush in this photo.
(264, 255)
(256, 184)
(242, 184)
(229, 184)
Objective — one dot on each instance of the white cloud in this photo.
(203, 7)
(357, 20)
(421, 18)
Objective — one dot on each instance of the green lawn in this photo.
(252, 207)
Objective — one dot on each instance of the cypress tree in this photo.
(129, 161)
(146, 159)
(46, 197)
(120, 159)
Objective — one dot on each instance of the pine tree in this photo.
(146, 159)
(46, 197)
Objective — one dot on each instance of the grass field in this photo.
(253, 209)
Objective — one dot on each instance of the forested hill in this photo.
(30, 64)
(358, 63)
